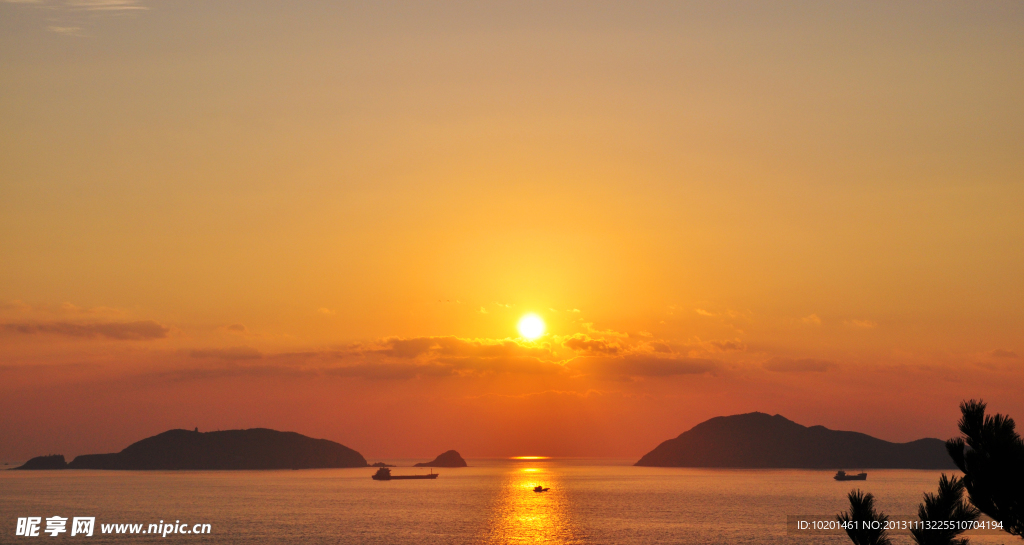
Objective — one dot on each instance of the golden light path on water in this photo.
(524, 516)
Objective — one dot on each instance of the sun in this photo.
(531, 326)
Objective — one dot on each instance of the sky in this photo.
(328, 218)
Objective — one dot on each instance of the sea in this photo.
(492, 501)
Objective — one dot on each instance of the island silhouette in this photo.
(449, 458)
(752, 440)
(257, 448)
(759, 440)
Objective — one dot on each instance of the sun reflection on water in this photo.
(524, 516)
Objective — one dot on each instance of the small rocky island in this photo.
(445, 459)
(257, 448)
(759, 440)
(52, 461)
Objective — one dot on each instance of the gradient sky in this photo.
(328, 218)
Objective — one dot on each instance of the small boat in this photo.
(384, 474)
(842, 476)
(540, 489)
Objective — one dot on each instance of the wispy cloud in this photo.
(105, 5)
(546, 393)
(66, 30)
(66, 308)
(604, 332)
(233, 353)
(122, 331)
(583, 343)
(72, 17)
(15, 305)
(1003, 353)
(642, 366)
(812, 319)
(787, 365)
(453, 347)
(728, 346)
(861, 324)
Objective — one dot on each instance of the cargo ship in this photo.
(842, 476)
(384, 474)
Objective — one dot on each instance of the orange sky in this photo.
(329, 218)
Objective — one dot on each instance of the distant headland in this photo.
(257, 448)
(450, 458)
(759, 440)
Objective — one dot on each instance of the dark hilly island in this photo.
(256, 448)
(450, 458)
(759, 440)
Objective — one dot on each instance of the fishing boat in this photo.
(842, 476)
(540, 489)
(384, 474)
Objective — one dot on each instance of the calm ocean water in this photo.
(491, 502)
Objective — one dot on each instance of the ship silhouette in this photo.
(384, 474)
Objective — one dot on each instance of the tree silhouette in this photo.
(863, 524)
(991, 456)
(948, 505)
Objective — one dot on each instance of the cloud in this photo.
(728, 346)
(642, 365)
(813, 319)
(660, 347)
(546, 393)
(71, 308)
(1001, 353)
(63, 309)
(122, 331)
(391, 371)
(729, 317)
(325, 311)
(432, 347)
(786, 365)
(861, 324)
(483, 310)
(234, 353)
(697, 347)
(354, 365)
(392, 358)
(605, 332)
(67, 17)
(583, 343)
(15, 304)
(105, 5)
(66, 30)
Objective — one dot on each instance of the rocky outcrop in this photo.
(53, 461)
(446, 459)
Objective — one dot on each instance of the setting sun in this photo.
(531, 326)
